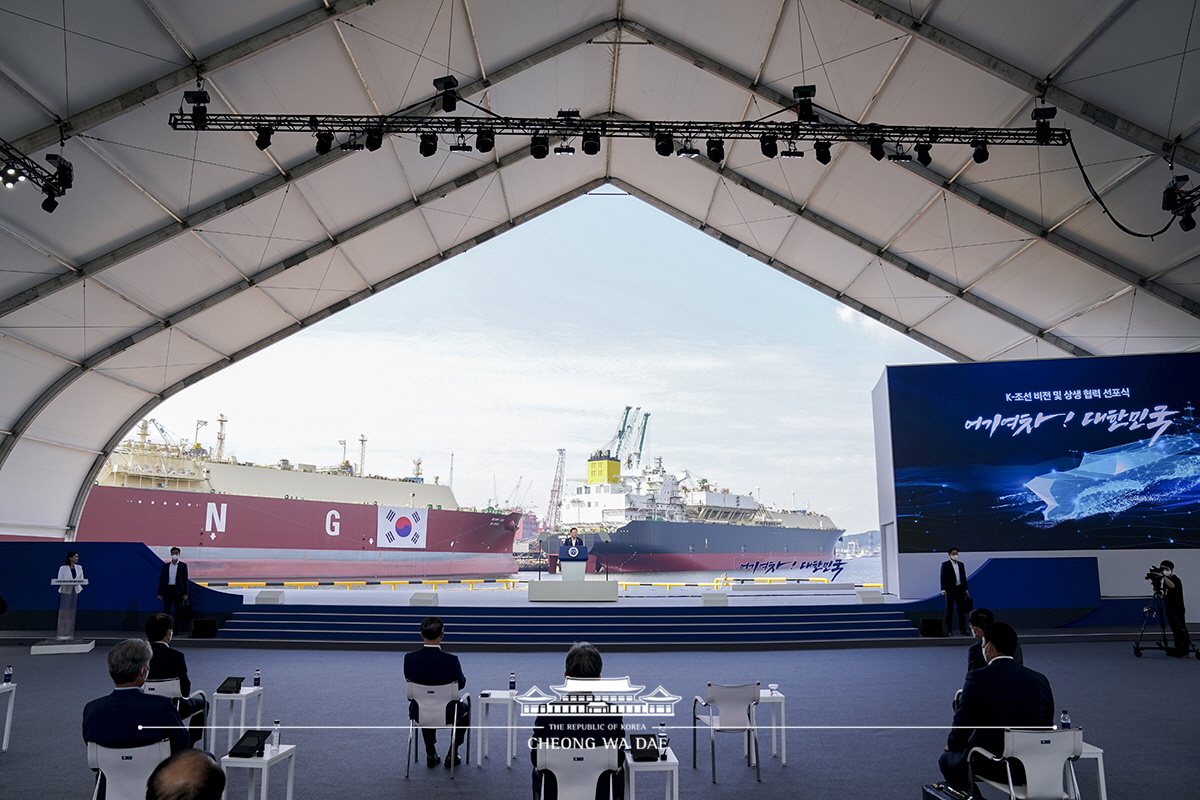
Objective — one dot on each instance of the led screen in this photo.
(1070, 454)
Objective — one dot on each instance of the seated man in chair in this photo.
(580, 730)
(429, 666)
(169, 663)
(1003, 694)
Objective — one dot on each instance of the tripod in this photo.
(1156, 608)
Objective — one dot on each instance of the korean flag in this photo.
(401, 527)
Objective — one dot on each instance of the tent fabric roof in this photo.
(179, 253)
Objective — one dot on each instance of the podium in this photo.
(572, 562)
(572, 565)
(65, 641)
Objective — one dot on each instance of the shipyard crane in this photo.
(615, 443)
(635, 458)
(168, 438)
(554, 512)
(362, 455)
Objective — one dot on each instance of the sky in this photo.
(539, 338)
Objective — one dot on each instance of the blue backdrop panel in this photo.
(1028, 592)
(122, 586)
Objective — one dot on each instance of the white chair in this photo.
(1048, 758)
(126, 770)
(578, 771)
(170, 687)
(728, 709)
(431, 713)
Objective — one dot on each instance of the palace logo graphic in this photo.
(598, 696)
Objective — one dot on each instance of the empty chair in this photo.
(1048, 758)
(728, 709)
(126, 770)
(170, 687)
(579, 772)
(434, 705)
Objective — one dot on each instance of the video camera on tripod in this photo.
(1155, 576)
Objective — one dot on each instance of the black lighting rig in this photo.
(17, 168)
(1182, 202)
(670, 137)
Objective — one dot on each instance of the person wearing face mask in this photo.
(954, 589)
(173, 588)
(1004, 694)
(1176, 614)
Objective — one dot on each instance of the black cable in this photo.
(1088, 183)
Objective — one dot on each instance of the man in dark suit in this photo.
(430, 666)
(1003, 694)
(593, 729)
(169, 663)
(573, 539)
(954, 589)
(173, 587)
(114, 720)
(980, 620)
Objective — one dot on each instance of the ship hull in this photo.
(657, 546)
(227, 536)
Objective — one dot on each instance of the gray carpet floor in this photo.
(866, 723)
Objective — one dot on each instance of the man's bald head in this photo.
(188, 775)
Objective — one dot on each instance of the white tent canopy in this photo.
(179, 253)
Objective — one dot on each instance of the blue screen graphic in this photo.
(1070, 454)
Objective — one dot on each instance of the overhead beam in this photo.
(134, 98)
(1037, 87)
(95, 360)
(307, 322)
(1014, 218)
(790, 271)
(301, 170)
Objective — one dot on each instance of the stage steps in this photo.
(551, 627)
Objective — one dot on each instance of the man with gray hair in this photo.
(128, 717)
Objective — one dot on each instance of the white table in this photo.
(669, 765)
(776, 700)
(9, 689)
(242, 697)
(487, 699)
(1091, 751)
(263, 764)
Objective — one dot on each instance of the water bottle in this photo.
(8, 674)
(257, 678)
(512, 681)
(662, 741)
(275, 737)
(1064, 720)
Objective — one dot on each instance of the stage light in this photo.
(894, 157)
(564, 150)
(198, 100)
(446, 86)
(324, 142)
(923, 157)
(352, 146)
(50, 203)
(12, 176)
(1041, 117)
(199, 97)
(590, 143)
(460, 146)
(64, 172)
(1187, 222)
(876, 145)
(803, 96)
(539, 146)
(485, 140)
(822, 151)
(769, 146)
(716, 150)
(374, 139)
(429, 142)
(792, 152)
(981, 152)
(263, 140)
(664, 144)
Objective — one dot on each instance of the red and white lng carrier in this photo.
(239, 521)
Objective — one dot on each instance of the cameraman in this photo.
(1176, 614)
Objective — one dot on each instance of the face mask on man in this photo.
(1166, 572)
(954, 557)
(174, 559)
